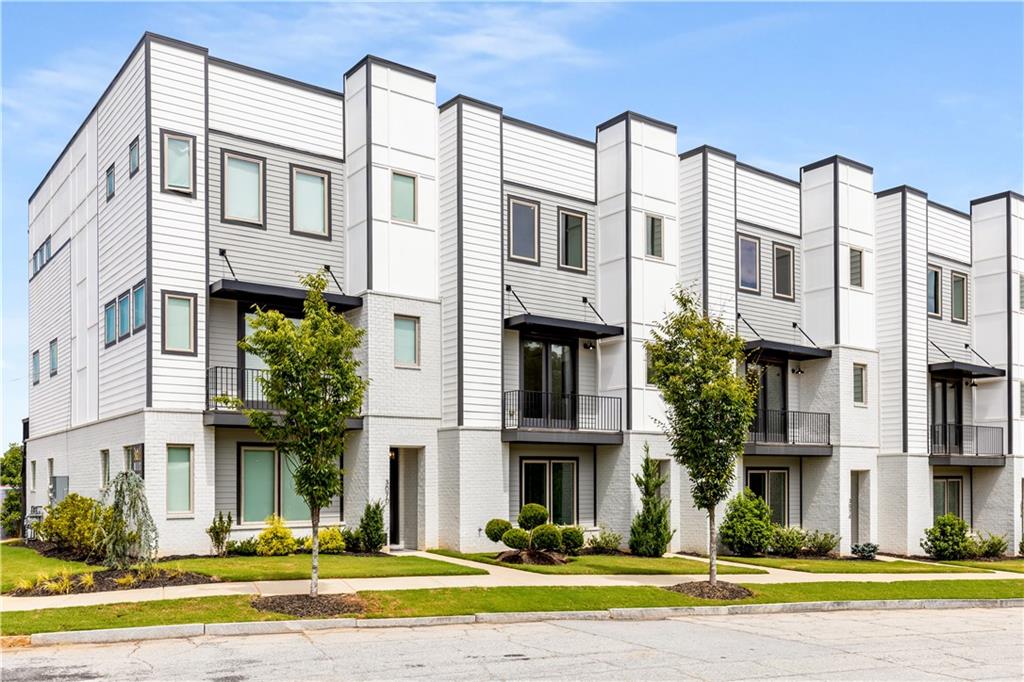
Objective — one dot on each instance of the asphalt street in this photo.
(969, 644)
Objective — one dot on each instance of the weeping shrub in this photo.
(127, 534)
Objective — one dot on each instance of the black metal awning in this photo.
(274, 294)
(955, 369)
(539, 324)
(789, 351)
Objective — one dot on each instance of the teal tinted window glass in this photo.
(257, 484)
(654, 237)
(109, 324)
(178, 324)
(293, 507)
(406, 343)
(524, 231)
(310, 202)
(110, 182)
(139, 307)
(959, 286)
(243, 185)
(403, 197)
(179, 479)
(178, 163)
(573, 239)
(124, 319)
(35, 367)
(133, 158)
(53, 357)
(749, 270)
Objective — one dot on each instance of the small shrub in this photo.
(331, 541)
(246, 547)
(651, 530)
(276, 539)
(146, 572)
(865, 550)
(604, 542)
(991, 547)
(572, 540)
(24, 585)
(303, 544)
(947, 540)
(219, 531)
(496, 528)
(531, 516)
(516, 538)
(546, 536)
(72, 525)
(350, 536)
(787, 540)
(10, 512)
(819, 543)
(126, 580)
(747, 527)
(175, 571)
(372, 535)
(60, 583)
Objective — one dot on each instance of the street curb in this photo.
(622, 614)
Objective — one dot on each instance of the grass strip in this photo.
(19, 562)
(607, 564)
(850, 565)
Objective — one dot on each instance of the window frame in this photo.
(562, 212)
(849, 266)
(945, 482)
(109, 307)
(279, 463)
(194, 302)
(54, 351)
(535, 205)
(415, 197)
(548, 461)
(261, 163)
(33, 477)
(953, 276)
(110, 182)
(294, 168)
(647, 370)
(938, 291)
(776, 247)
(740, 238)
(127, 297)
(647, 236)
(136, 327)
(104, 468)
(768, 471)
(416, 322)
(190, 512)
(133, 168)
(164, 187)
(863, 368)
(36, 371)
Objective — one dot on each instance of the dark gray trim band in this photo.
(373, 59)
(704, 229)
(548, 131)
(277, 145)
(633, 116)
(1010, 418)
(773, 230)
(900, 189)
(705, 148)
(768, 174)
(150, 292)
(627, 119)
(1000, 195)
(468, 100)
(320, 90)
(838, 158)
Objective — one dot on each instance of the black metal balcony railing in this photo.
(235, 382)
(965, 439)
(564, 411)
(791, 427)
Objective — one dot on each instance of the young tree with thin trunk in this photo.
(694, 360)
(313, 388)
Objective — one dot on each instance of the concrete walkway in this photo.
(497, 576)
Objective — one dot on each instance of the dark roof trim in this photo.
(767, 174)
(899, 189)
(237, 290)
(632, 115)
(372, 59)
(469, 100)
(840, 159)
(277, 77)
(955, 368)
(1000, 195)
(789, 350)
(275, 145)
(548, 131)
(949, 209)
(553, 325)
(174, 42)
(696, 151)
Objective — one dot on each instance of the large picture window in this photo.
(311, 190)
(947, 496)
(524, 230)
(783, 271)
(178, 169)
(179, 479)
(268, 486)
(572, 233)
(772, 486)
(552, 484)
(749, 266)
(243, 185)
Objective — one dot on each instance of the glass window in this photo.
(551, 484)
(179, 479)
(655, 234)
(403, 197)
(257, 484)
(110, 183)
(947, 494)
(958, 307)
(535, 483)
(33, 476)
(749, 265)
(177, 168)
(407, 341)
(109, 324)
(35, 367)
(179, 332)
(124, 316)
(856, 268)
(523, 237)
(139, 307)
(573, 240)
(860, 384)
(243, 189)
(1020, 294)
(293, 507)
(104, 467)
(46, 250)
(783, 272)
(772, 486)
(650, 371)
(935, 292)
(53, 357)
(309, 202)
(133, 157)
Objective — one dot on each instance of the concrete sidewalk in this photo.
(497, 576)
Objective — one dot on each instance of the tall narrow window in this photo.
(179, 314)
(110, 324)
(860, 384)
(179, 479)
(138, 306)
(258, 484)
(310, 192)
(243, 188)
(524, 233)
(104, 468)
(110, 183)
(654, 236)
(934, 291)
(403, 197)
(133, 158)
(124, 316)
(749, 257)
(783, 271)
(33, 476)
(958, 292)
(856, 268)
(407, 342)
(53, 357)
(572, 240)
(772, 486)
(178, 163)
(35, 368)
(947, 496)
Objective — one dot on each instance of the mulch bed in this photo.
(48, 549)
(305, 606)
(105, 581)
(531, 557)
(704, 590)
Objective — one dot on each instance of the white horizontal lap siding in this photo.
(948, 335)
(691, 246)
(949, 234)
(248, 104)
(177, 84)
(917, 324)
(889, 269)
(271, 253)
(772, 317)
(121, 236)
(547, 161)
(765, 201)
(49, 302)
(448, 275)
(721, 246)
(222, 323)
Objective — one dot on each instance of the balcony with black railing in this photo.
(775, 432)
(546, 417)
(965, 444)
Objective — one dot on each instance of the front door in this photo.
(548, 384)
(947, 416)
(394, 506)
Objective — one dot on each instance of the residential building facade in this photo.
(507, 277)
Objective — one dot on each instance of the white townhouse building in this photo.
(507, 276)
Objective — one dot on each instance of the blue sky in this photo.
(930, 95)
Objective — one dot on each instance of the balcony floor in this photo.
(561, 436)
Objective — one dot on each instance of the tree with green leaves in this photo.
(693, 360)
(651, 530)
(312, 384)
(10, 475)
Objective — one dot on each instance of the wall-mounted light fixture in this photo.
(797, 370)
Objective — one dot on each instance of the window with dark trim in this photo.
(179, 493)
(178, 163)
(654, 236)
(523, 230)
(572, 240)
(53, 357)
(41, 256)
(110, 182)
(947, 496)
(860, 384)
(110, 324)
(782, 273)
(403, 197)
(139, 307)
(133, 158)
(748, 258)
(856, 268)
(310, 202)
(35, 367)
(550, 483)
(179, 323)
(772, 486)
(124, 316)
(267, 486)
(934, 291)
(407, 341)
(958, 296)
(243, 186)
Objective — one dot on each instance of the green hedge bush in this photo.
(73, 525)
(372, 536)
(546, 537)
(531, 516)
(787, 540)
(948, 539)
(495, 529)
(516, 538)
(275, 539)
(747, 527)
(820, 543)
(572, 540)
(991, 547)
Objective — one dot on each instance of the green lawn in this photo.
(1011, 565)
(608, 564)
(849, 565)
(456, 601)
(18, 562)
(297, 566)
